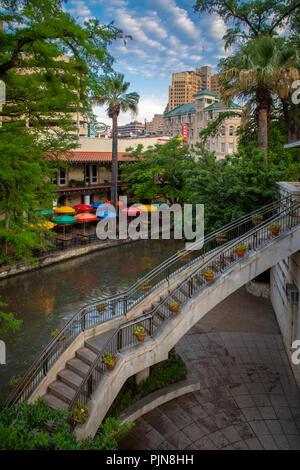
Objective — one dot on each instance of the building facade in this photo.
(133, 128)
(186, 84)
(156, 125)
(198, 115)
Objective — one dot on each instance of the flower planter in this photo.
(240, 253)
(209, 277)
(175, 309)
(275, 231)
(141, 337)
(101, 310)
(257, 220)
(111, 367)
(109, 360)
(220, 239)
(80, 413)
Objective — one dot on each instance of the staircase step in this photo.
(86, 355)
(96, 343)
(78, 366)
(70, 378)
(184, 290)
(62, 391)
(54, 402)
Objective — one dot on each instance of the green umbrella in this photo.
(64, 220)
(43, 212)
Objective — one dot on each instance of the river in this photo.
(44, 299)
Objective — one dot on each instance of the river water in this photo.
(46, 298)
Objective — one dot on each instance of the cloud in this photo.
(79, 8)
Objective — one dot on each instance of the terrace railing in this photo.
(108, 308)
(124, 337)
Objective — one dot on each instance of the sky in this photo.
(167, 37)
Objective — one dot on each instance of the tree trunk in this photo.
(264, 104)
(114, 163)
(263, 129)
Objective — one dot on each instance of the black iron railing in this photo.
(108, 308)
(124, 338)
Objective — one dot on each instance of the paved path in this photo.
(248, 398)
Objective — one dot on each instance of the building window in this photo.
(223, 130)
(231, 148)
(213, 146)
(81, 124)
(231, 130)
(62, 176)
(210, 114)
(208, 147)
(94, 173)
(222, 147)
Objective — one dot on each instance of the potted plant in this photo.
(62, 338)
(175, 308)
(184, 257)
(14, 380)
(72, 183)
(241, 250)
(80, 413)
(209, 275)
(101, 307)
(109, 360)
(221, 238)
(84, 240)
(144, 285)
(275, 227)
(140, 333)
(257, 219)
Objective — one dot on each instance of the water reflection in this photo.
(44, 299)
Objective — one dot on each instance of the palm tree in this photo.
(263, 67)
(111, 90)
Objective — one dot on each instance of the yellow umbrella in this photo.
(64, 210)
(47, 224)
(147, 208)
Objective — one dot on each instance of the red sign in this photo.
(184, 132)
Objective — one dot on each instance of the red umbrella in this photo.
(131, 211)
(86, 217)
(83, 207)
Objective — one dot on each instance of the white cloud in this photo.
(79, 8)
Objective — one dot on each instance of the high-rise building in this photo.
(156, 125)
(186, 84)
(133, 128)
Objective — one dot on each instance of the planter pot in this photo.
(274, 231)
(175, 311)
(141, 338)
(101, 310)
(111, 367)
(256, 221)
(62, 339)
(146, 287)
(83, 419)
(240, 253)
(220, 239)
(209, 277)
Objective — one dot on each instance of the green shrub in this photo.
(36, 426)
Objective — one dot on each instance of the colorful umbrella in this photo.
(64, 210)
(86, 217)
(148, 208)
(83, 207)
(43, 212)
(96, 205)
(106, 215)
(46, 224)
(119, 203)
(131, 211)
(64, 220)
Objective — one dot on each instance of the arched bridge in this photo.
(71, 370)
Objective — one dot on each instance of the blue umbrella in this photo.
(99, 205)
(106, 215)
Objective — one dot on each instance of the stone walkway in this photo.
(248, 398)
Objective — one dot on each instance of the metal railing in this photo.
(108, 308)
(124, 338)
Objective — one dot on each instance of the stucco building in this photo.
(197, 116)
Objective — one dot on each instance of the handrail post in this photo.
(125, 304)
(83, 322)
(90, 386)
(45, 365)
(120, 340)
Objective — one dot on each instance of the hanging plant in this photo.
(80, 413)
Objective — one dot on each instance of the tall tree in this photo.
(49, 63)
(111, 91)
(263, 66)
(251, 18)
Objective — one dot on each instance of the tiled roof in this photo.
(205, 92)
(221, 105)
(94, 157)
(182, 109)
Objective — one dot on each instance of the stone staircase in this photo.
(61, 392)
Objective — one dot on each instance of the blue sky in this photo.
(167, 37)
